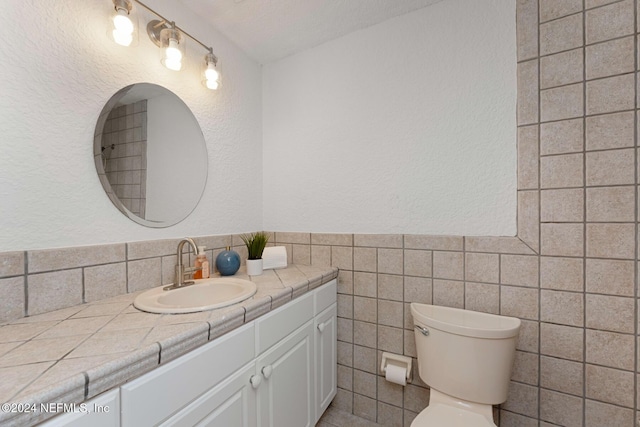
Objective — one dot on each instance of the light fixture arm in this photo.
(155, 27)
(164, 21)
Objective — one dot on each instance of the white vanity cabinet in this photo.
(276, 371)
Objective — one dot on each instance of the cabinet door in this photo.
(231, 403)
(286, 395)
(101, 411)
(326, 341)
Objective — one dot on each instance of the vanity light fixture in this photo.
(211, 74)
(123, 27)
(166, 35)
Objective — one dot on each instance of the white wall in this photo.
(404, 127)
(58, 70)
(383, 130)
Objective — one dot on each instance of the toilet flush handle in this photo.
(424, 331)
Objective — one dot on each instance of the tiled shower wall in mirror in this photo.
(124, 152)
(570, 275)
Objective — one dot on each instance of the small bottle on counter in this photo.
(203, 263)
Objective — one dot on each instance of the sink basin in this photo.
(205, 294)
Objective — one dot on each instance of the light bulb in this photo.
(173, 52)
(212, 84)
(122, 34)
(122, 39)
(122, 22)
(173, 56)
(173, 64)
(211, 74)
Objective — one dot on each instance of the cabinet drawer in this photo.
(324, 296)
(274, 326)
(155, 396)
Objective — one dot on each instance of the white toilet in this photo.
(466, 358)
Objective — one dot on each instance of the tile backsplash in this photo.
(38, 281)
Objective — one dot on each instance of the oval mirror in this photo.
(150, 155)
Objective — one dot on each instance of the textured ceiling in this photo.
(269, 30)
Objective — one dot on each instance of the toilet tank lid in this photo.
(465, 322)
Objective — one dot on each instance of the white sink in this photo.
(205, 294)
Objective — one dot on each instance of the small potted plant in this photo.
(255, 242)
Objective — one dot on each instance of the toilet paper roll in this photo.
(274, 257)
(396, 374)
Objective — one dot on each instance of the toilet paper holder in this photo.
(397, 360)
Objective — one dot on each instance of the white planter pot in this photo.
(254, 267)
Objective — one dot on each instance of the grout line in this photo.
(539, 126)
(590, 222)
(82, 276)
(500, 285)
(25, 306)
(432, 274)
(377, 325)
(584, 212)
(635, 281)
(126, 267)
(86, 385)
(584, 151)
(544, 122)
(585, 81)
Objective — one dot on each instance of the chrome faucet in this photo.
(181, 270)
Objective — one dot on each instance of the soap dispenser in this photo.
(203, 263)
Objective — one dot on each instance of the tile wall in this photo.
(124, 139)
(38, 281)
(576, 356)
(570, 274)
(381, 274)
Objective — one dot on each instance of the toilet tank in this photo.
(466, 354)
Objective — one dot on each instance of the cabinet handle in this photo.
(266, 371)
(321, 326)
(255, 381)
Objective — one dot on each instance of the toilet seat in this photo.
(441, 415)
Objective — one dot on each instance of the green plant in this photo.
(256, 242)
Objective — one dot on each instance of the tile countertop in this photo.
(73, 354)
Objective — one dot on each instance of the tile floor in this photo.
(334, 417)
